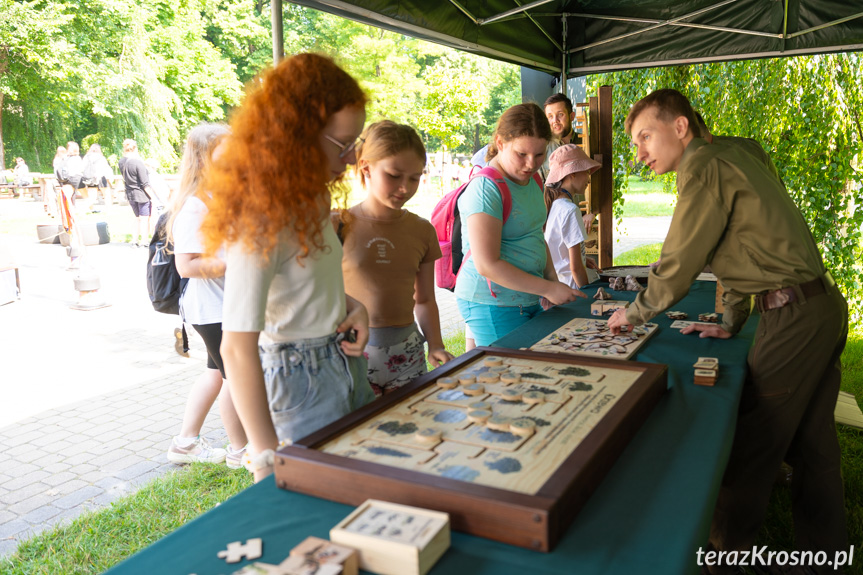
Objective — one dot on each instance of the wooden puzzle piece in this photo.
(320, 553)
(680, 324)
(454, 397)
(251, 549)
(386, 453)
(483, 436)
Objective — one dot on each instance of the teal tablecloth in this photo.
(650, 514)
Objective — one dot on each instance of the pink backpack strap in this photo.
(506, 196)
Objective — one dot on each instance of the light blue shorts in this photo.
(489, 323)
(311, 383)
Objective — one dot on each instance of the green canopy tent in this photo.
(578, 37)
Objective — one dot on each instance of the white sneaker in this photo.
(200, 451)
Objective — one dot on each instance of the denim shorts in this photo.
(489, 323)
(311, 383)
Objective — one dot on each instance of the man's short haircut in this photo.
(670, 104)
(559, 97)
(129, 145)
(702, 125)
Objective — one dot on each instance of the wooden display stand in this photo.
(509, 443)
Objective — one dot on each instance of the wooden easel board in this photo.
(592, 338)
(423, 446)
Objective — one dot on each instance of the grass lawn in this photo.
(98, 540)
(645, 199)
(640, 256)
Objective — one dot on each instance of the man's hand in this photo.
(617, 321)
(706, 331)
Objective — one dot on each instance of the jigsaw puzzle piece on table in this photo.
(440, 416)
(236, 552)
(485, 436)
(456, 397)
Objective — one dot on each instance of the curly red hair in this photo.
(272, 172)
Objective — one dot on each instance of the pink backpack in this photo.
(447, 223)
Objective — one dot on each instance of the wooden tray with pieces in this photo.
(510, 443)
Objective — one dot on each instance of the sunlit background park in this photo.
(101, 71)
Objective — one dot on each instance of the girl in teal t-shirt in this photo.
(499, 286)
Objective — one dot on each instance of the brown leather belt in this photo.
(783, 296)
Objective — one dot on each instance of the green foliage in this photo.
(640, 256)
(805, 111)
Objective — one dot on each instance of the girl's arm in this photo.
(198, 266)
(484, 233)
(428, 317)
(246, 379)
(357, 319)
(576, 266)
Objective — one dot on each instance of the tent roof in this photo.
(594, 36)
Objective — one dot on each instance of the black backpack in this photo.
(164, 284)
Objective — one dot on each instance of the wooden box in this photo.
(394, 539)
(421, 445)
(607, 307)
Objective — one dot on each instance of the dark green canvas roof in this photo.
(605, 35)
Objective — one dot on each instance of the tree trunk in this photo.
(2, 147)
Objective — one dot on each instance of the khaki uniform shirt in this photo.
(735, 215)
(751, 146)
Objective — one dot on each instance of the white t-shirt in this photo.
(201, 302)
(282, 298)
(564, 230)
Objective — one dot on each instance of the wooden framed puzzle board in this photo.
(510, 443)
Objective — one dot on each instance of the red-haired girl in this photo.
(389, 258)
(291, 368)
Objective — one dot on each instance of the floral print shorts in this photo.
(396, 356)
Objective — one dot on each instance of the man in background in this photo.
(138, 190)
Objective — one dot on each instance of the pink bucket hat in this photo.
(569, 159)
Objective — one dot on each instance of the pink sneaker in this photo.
(200, 451)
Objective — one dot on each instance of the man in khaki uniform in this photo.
(734, 214)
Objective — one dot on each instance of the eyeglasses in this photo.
(345, 148)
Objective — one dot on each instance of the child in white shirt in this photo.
(564, 229)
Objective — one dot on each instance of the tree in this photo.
(805, 111)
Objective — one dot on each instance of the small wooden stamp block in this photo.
(321, 552)
(463, 379)
(510, 395)
(488, 378)
(480, 405)
(479, 415)
(447, 382)
(498, 423)
(510, 377)
(429, 435)
(533, 397)
(473, 389)
(705, 377)
(492, 361)
(523, 426)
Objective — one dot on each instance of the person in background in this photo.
(22, 175)
(564, 230)
(72, 170)
(292, 340)
(734, 213)
(97, 172)
(138, 190)
(161, 190)
(201, 306)
(499, 286)
(389, 256)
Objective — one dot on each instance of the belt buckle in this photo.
(778, 298)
